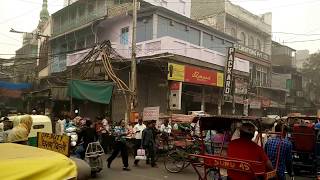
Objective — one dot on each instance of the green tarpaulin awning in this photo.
(99, 92)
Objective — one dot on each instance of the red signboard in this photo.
(200, 76)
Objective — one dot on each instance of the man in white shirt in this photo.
(137, 129)
(166, 127)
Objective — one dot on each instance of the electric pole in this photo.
(133, 59)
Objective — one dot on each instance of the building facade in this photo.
(166, 42)
(253, 34)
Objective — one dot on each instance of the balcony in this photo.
(178, 47)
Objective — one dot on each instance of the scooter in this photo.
(93, 157)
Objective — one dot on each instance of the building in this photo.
(167, 43)
(301, 57)
(286, 76)
(253, 34)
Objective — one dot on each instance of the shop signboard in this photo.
(151, 113)
(195, 75)
(175, 95)
(176, 72)
(241, 86)
(53, 142)
(200, 76)
(265, 102)
(228, 72)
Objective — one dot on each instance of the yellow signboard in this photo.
(176, 72)
(53, 142)
(220, 79)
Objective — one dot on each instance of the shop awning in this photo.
(95, 91)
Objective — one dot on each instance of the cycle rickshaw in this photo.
(220, 163)
(306, 143)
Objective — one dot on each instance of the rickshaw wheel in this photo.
(175, 161)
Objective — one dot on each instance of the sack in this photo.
(141, 154)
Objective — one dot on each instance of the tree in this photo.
(311, 73)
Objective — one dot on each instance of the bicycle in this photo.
(178, 158)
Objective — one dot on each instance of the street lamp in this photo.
(34, 34)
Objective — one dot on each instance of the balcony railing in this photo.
(178, 47)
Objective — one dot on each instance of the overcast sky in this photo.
(289, 16)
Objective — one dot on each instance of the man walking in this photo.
(120, 132)
(277, 145)
(138, 128)
(148, 142)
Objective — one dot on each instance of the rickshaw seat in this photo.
(304, 138)
(246, 166)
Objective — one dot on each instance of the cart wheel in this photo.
(175, 161)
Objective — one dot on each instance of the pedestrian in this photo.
(88, 135)
(20, 133)
(278, 144)
(245, 148)
(148, 142)
(138, 129)
(104, 134)
(120, 132)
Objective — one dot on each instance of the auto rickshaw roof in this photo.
(225, 122)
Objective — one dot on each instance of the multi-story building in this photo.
(286, 76)
(253, 34)
(167, 42)
(302, 57)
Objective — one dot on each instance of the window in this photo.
(233, 32)
(251, 42)
(261, 76)
(164, 3)
(119, 1)
(183, 7)
(124, 36)
(259, 45)
(243, 38)
(91, 6)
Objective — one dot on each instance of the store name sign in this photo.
(252, 52)
(228, 72)
(191, 74)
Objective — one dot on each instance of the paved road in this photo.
(144, 172)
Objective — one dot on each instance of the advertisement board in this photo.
(151, 113)
(175, 95)
(228, 72)
(176, 72)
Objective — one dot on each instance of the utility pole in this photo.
(133, 59)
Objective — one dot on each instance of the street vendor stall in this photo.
(26, 162)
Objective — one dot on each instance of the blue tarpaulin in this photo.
(14, 86)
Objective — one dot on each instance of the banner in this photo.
(255, 104)
(151, 113)
(175, 95)
(53, 142)
(176, 72)
(200, 76)
(241, 86)
(228, 72)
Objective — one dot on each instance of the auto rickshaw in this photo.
(40, 123)
(219, 162)
(27, 162)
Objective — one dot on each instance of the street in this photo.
(144, 172)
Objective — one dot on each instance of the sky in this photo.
(292, 17)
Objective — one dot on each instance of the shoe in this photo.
(126, 169)
(109, 164)
(136, 163)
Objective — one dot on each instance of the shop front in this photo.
(194, 89)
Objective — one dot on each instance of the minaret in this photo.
(44, 14)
